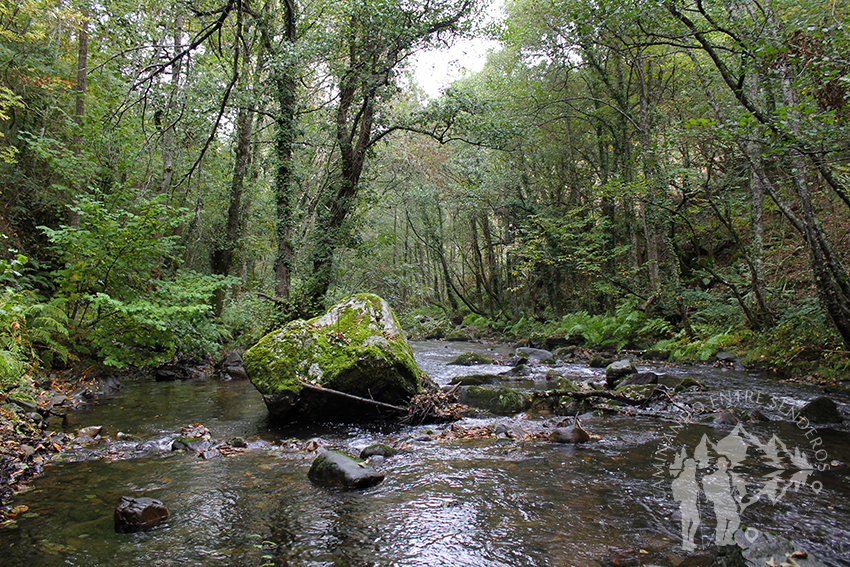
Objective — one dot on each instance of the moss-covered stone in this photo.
(357, 347)
(379, 449)
(687, 384)
(497, 400)
(473, 379)
(471, 358)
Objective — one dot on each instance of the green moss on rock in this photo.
(497, 400)
(357, 347)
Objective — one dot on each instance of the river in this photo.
(491, 501)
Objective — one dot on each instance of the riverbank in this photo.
(26, 413)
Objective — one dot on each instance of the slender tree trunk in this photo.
(80, 89)
(168, 143)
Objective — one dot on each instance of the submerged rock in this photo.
(331, 468)
(138, 514)
(822, 410)
(357, 348)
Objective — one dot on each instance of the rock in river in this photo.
(822, 410)
(617, 370)
(138, 514)
(574, 434)
(357, 348)
(331, 468)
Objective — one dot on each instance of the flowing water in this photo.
(489, 501)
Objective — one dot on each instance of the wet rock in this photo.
(92, 431)
(231, 367)
(331, 468)
(726, 357)
(656, 354)
(617, 370)
(726, 417)
(768, 549)
(196, 444)
(557, 343)
(565, 353)
(497, 400)
(640, 379)
(470, 358)
(574, 434)
(108, 385)
(212, 454)
(598, 361)
(169, 373)
(381, 449)
(357, 348)
(459, 335)
(534, 353)
(473, 379)
(822, 410)
(688, 384)
(138, 514)
(754, 416)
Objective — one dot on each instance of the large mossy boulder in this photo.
(357, 348)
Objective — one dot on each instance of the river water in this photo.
(491, 501)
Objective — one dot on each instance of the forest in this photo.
(182, 178)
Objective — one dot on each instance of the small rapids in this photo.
(446, 500)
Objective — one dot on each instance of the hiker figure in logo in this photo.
(723, 489)
(686, 491)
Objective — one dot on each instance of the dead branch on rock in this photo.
(433, 407)
(330, 392)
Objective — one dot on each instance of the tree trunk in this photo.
(80, 88)
(168, 144)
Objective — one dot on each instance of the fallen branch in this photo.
(328, 391)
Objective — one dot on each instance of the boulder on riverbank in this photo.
(356, 348)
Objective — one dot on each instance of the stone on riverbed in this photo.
(497, 400)
(574, 434)
(534, 353)
(617, 370)
(331, 468)
(357, 348)
(822, 410)
(379, 449)
(138, 514)
(470, 358)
